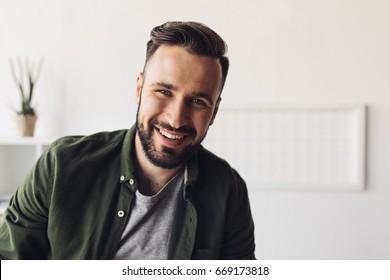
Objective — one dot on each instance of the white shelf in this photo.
(17, 157)
(5, 141)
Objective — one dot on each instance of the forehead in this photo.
(175, 65)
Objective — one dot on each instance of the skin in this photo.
(179, 94)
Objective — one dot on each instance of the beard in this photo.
(167, 158)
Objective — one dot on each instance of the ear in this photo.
(215, 111)
(138, 87)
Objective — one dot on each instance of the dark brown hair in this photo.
(195, 37)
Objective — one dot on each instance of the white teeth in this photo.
(171, 136)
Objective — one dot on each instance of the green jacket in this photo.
(75, 203)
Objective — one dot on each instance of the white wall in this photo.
(281, 51)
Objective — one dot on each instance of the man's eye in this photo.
(164, 92)
(198, 101)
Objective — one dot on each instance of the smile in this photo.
(169, 135)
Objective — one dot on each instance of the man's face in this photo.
(178, 98)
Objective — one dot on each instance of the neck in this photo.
(151, 178)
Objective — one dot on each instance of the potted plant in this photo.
(26, 115)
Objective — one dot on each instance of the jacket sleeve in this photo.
(238, 241)
(23, 233)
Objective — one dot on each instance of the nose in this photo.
(177, 114)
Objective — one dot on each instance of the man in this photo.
(151, 192)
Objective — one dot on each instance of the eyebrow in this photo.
(166, 85)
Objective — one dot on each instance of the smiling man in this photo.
(151, 192)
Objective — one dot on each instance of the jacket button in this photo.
(121, 213)
(131, 182)
(122, 178)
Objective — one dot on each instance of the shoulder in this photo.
(87, 143)
(208, 158)
(217, 170)
(93, 139)
(79, 150)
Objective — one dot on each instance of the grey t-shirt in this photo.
(148, 230)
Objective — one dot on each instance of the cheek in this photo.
(202, 124)
(150, 107)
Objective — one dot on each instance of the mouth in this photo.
(170, 135)
(175, 138)
(171, 139)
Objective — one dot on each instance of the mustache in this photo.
(183, 129)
